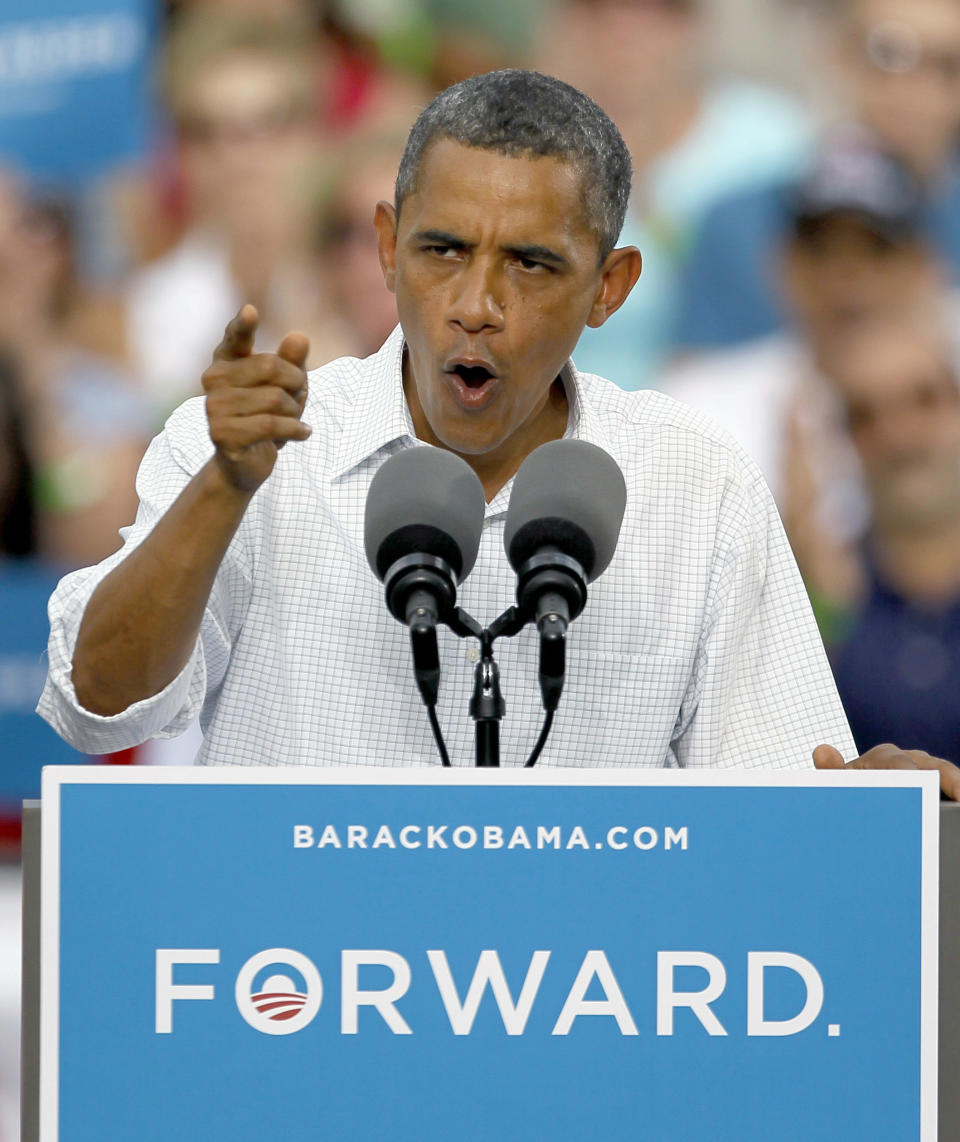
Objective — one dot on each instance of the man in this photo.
(242, 96)
(243, 586)
(853, 253)
(855, 257)
(899, 388)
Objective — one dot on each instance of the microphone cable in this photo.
(541, 740)
(438, 735)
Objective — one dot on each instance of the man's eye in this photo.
(531, 264)
(443, 251)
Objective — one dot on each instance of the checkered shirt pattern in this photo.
(697, 646)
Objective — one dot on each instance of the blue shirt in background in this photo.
(898, 673)
(746, 134)
(728, 291)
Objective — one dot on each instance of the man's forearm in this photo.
(142, 622)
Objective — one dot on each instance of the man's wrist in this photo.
(221, 478)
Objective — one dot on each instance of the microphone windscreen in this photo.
(571, 495)
(424, 500)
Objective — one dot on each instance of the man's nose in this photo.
(476, 304)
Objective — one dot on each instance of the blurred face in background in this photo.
(900, 391)
(623, 53)
(249, 136)
(349, 249)
(901, 59)
(839, 274)
(34, 262)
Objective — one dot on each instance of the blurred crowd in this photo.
(801, 249)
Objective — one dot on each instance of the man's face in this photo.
(350, 251)
(623, 53)
(839, 275)
(496, 273)
(903, 411)
(902, 61)
(247, 137)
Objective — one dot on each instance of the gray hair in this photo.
(524, 114)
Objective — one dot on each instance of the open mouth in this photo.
(473, 376)
(473, 385)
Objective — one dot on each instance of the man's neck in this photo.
(921, 564)
(496, 469)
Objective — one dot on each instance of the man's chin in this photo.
(468, 445)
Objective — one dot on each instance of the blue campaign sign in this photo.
(430, 954)
(26, 742)
(75, 93)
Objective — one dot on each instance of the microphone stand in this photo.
(487, 706)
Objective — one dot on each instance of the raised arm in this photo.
(142, 622)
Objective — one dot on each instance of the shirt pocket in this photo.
(627, 707)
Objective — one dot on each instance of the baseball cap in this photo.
(853, 175)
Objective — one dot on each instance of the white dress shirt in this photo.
(697, 646)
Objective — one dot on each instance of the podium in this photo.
(421, 954)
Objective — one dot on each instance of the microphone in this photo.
(422, 526)
(561, 532)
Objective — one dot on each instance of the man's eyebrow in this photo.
(539, 254)
(533, 253)
(441, 238)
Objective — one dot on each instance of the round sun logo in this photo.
(278, 1005)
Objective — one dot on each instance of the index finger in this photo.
(238, 335)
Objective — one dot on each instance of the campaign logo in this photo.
(281, 1002)
(278, 1002)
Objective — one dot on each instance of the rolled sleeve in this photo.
(163, 474)
(163, 715)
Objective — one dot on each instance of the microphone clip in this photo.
(551, 592)
(427, 580)
(551, 582)
(421, 592)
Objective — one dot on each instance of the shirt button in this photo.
(473, 654)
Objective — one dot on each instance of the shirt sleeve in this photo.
(168, 466)
(761, 694)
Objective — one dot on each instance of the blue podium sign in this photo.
(426, 954)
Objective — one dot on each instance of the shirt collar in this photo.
(379, 416)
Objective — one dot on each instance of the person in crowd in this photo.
(80, 420)
(243, 97)
(693, 141)
(17, 512)
(899, 390)
(896, 64)
(347, 246)
(854, 253)
(244, 590)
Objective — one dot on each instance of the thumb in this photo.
(294, 348)
(827, 757)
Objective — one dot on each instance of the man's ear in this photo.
(619, 274)
(385, 223)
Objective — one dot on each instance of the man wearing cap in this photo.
(242, 590)
(854, 254)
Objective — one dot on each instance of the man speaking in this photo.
(242, 591)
